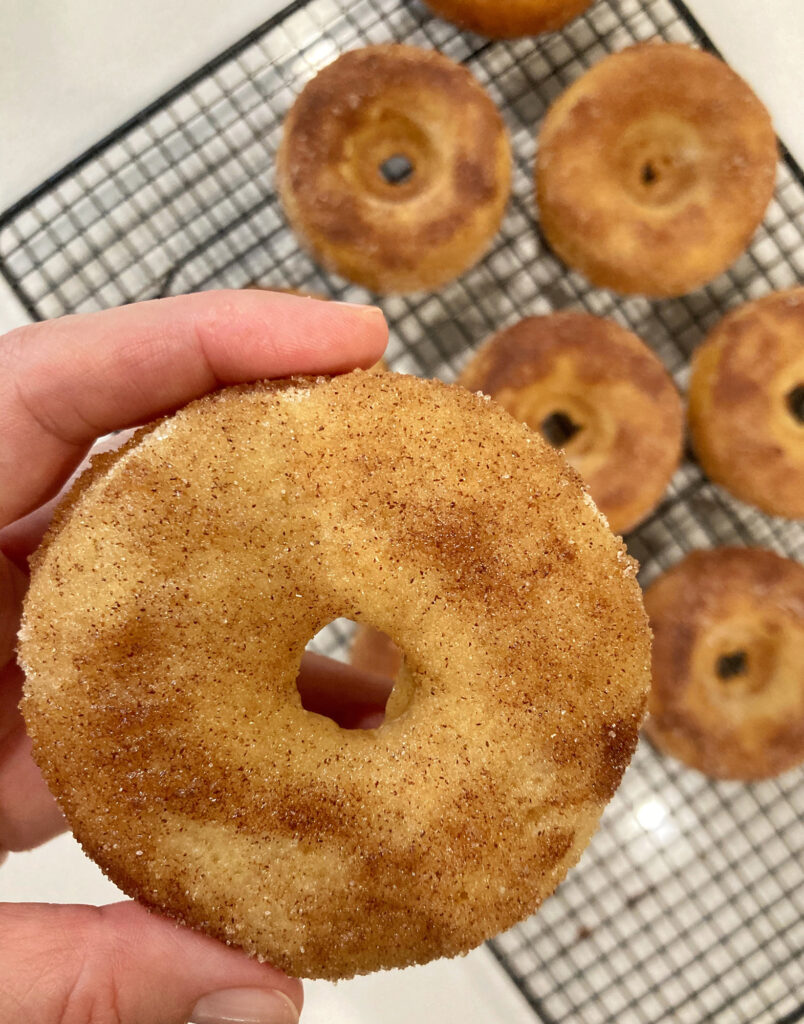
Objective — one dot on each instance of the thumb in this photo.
(123, 965)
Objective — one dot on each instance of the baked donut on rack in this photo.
(511, 18)
(165, 624)
(746, 403)
(728, 663)
(395, 168)
(654, 169)
(598, 392)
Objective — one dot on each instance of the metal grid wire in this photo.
(689, 904)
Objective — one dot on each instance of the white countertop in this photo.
(71, 72)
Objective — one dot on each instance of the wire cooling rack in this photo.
(689, 904)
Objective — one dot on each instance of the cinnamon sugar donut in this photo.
(510, 18)
(654, 170)
(728, 663)
(597, 391)
(746, 403)
(395, 168)
(166, 620)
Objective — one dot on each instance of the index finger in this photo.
(65, 382)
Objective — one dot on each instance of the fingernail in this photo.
(371, 312)
(245, 1006)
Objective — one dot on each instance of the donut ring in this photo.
(654, 170)
(509, 19)
(728, 682)
(166, 620)
(597, 391)
(746, 403)
(371, 107)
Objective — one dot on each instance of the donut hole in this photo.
(662, 178)
(397, 169)
(795, 403)
(649, 174)
(352, 698)
(391, 157)
(559, 428)
(732, 665)
(657, 160)
(744, 660)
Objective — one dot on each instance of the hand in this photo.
(62, 384)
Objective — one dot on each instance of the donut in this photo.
(166, 620)
(509, 19)
(654, 169)
(746, 403)
(597, 391)
(395, 168)
(728, 663)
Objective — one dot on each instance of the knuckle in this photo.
(92, 995)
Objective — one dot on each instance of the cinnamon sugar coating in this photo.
(366, 108)
(168, 612)
(746, 403)
(654, 170)
(624, 421)
(728, 663)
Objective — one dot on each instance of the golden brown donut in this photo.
(728, 663)
(654, 170)
(368, 107)
(597, 391)
(166, 620)
(510, 18)
(746, 403)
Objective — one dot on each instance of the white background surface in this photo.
(71, 72)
